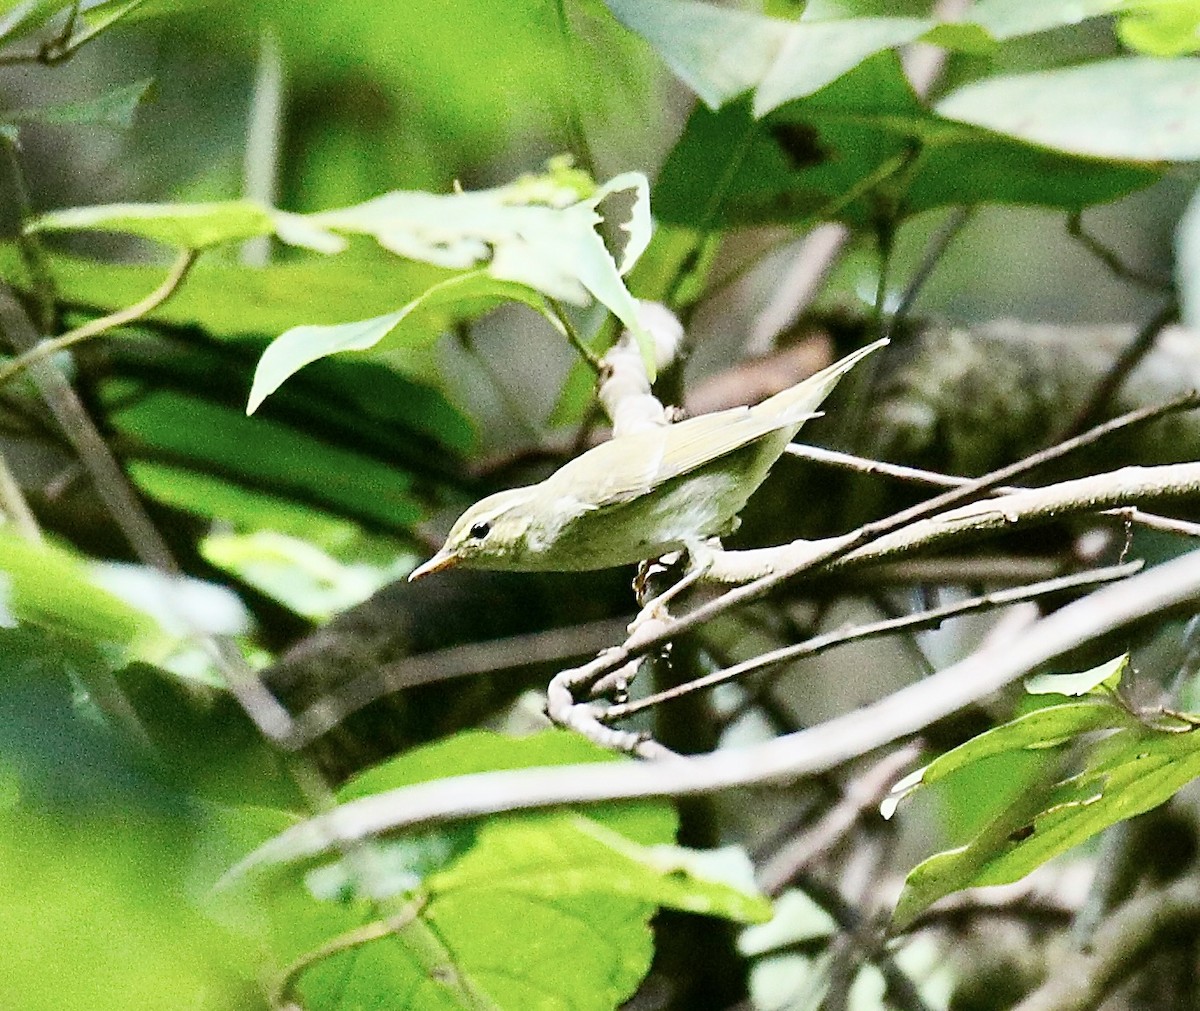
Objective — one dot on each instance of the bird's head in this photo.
(490, 535)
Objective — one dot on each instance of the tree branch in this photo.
(889, 626)
(782, 759)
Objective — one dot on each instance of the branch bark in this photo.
(783, 759)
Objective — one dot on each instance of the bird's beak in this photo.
(442, 560)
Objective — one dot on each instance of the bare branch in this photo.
(863, 465)
(465, 660)
(862, 794)
(782, 759)
(889, 626)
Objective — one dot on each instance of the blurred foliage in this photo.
(412, 225)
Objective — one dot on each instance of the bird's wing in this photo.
(629, 466)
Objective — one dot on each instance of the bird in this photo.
(638, 496)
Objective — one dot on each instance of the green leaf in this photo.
(18, 20)
(533, 892)
(51, 588)
(819, 52)
(204, 741)
(518, 896)
(1043, 728)
(533, 232)
(720, 53)
(295, 572)
(647, 822)
(502, 903)
(191, 226)
(468, 294)
(114, 109)
(171, 427)
(558, 857)
(1134, 767)
(1187, 263)
(231, 301)
(1131, 772)
(861, 147)
(1134, 108)
(1161, 27)
(566, 252)
(1008, 19)
(242, 508)
(1106, 674)
(717, 52)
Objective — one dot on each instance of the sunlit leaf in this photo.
(1133, 765)
(294, 572)
(1160, 27)
(1043, 728)
(230, 301)
(819, 52)
(25, 16)
(53, 589)
(1007, 19)
(465, 293)
(1133, 108)
(513, 896)
(191, 226)
(1106, 674)
(567, 252)
(718, 52)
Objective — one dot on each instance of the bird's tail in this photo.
(798, 403)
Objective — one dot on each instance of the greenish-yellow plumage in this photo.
(638, 496)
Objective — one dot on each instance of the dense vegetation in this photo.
(285, 287)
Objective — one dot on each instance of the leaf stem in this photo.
(96, 327)
(572, 334)
(373, 931)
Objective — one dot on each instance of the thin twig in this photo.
(839, 547)
(1080, 982)
(65, 44)
(1110, 258)
(907, 711)
(888, 626)
(127, 511)
(902, 991)
(466, 660)
(94, 328)
(863, 465)
(824, 245)
(29, 244)
(355, 938)
(934, 251)
(586, 353)
(862, 794)
(1126, 362)
(15, 507)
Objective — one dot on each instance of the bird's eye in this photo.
(480, 530)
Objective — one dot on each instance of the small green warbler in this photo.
(638, 496)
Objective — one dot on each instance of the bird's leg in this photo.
(700, 556)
